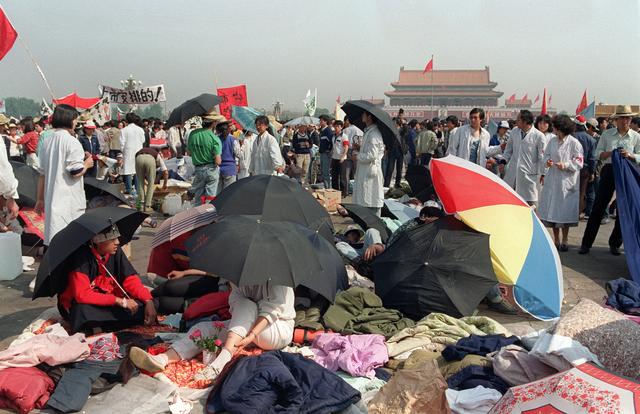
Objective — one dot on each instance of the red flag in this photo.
(583, 103)
(338, 99)
(525, 97)
(543, 110)
(511, 98)
(8, 34)
(537, 98)
(232, 96)
(429, 66)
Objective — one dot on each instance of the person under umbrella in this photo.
(103, 289)
(262, 281)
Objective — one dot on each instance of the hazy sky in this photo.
(351, 48)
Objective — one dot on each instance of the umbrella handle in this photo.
(114, 279)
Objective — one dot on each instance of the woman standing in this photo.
(368, 191)
(62, 165)
(560, 197)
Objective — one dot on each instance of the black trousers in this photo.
(170, 296)
(395, 159)
(83, 317)
(603, 197)
(339, 172)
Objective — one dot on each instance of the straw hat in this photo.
(214, 116)
(3, 119)
(623, 110)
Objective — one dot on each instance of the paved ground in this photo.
(584, 277)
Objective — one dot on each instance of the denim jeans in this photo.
(205, 182)
(130, 182)
(325, 166)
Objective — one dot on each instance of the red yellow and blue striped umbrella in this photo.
(522, 252)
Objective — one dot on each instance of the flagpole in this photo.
(33, 59)
(431, 86)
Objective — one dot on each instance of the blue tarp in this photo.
(627, 179)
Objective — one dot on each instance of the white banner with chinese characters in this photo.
(140, 96)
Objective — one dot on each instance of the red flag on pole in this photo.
(429, 66)
(511, 98)
(537, 98)
(338, 99)
(232, 96)
(543, 110)
(583, 103)
(8, 34)
(525, 97)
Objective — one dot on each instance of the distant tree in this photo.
(150, 111)
(20, 107)
(322, 111)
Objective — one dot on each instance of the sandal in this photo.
(564, 248)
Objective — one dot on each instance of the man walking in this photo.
(471, 141)
(523, 155)
(627, 141)
(588, 171)
(205, 150)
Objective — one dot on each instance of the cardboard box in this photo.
(328, 198)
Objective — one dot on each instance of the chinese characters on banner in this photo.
(101, 111)
(232, 96)
(142, 96)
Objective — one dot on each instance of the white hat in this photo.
(503, 124)
(89, 125)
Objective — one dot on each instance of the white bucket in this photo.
(172, 204)
(10, 256)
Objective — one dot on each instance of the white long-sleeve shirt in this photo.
(274, 302)
(8, 182)
(265, 156)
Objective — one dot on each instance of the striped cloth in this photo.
(183, 222)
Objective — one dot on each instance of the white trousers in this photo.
(244, 315)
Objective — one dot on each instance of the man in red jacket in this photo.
(104, 292)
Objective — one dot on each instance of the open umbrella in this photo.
(183, 222)
(397, 210)
(354, 110)
(94, 187)
(444, 266)
(52, 274)
(304, 120)
(275, 199)
(197, 106)
(365, 218)
(246, 117)
(583, 389)
(249, 251)
(419, 178)
(522, 251)
(27, 183)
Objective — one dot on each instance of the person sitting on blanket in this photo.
(104, 292)
(262, 315)
(373, 245)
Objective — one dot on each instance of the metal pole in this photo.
(432, 88)
(33, 59)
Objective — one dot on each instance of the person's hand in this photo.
(503, 146)
(176, 274)
(280, 170)
(13, 208)
(246, 340)
(150, 314)
(39, 207)
(560, 166)
(164, 186)
(542, 180)
(592, 177)
(372, 251)
(549, 163)
(88, 163)
(130, 305)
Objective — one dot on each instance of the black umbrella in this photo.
(94, 187)
(27, 183)
(197, 106)
(354, 110)
(366, 219)
(419, 178)
(52, 273)
(443, 267)
(249, 251)
(275, 199)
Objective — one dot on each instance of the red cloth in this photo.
(24, 389)
(103, 291)
(209, 304)
(168, 256)
(30, 142)
(8, 34)
(77, 102)
(32, 222)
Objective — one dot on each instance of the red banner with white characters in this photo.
(232, 96)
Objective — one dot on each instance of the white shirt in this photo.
(8, 182)
(132, 140)
(460, 142)
(338, 149)
(64, 197)
(265, 155)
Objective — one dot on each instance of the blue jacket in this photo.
(326, 140)
(90, 145)
(283, 383)
(589, 150)
(410, 139)
(228, 166)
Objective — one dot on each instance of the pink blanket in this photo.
(358, 355)
(51, 349)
